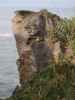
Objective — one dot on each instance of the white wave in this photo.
(6, 35)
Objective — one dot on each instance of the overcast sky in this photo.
(64, 8)
(51, 3)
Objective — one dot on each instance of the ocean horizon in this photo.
(8, 68)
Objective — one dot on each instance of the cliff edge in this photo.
(46, 63)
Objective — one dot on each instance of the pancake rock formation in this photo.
(37, 47)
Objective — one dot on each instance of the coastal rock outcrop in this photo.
(36, 42)
(46, 48)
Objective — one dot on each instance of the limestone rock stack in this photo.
(32, 31)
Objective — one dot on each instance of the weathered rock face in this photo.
(33, 41)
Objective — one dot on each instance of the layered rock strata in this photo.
(36, 45)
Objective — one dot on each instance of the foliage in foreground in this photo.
(56, 82)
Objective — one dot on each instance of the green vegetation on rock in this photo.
(56, 81)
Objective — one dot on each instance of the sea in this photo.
(9, 76)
